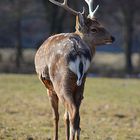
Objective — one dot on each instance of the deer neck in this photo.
(87, 41)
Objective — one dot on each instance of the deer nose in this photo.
(112, 38)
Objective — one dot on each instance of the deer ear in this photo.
(81, 20)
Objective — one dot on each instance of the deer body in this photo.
(68, 52)
(62, 63)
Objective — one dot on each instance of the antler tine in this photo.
(91, 11)
(65, 6)
(66, 2)
(95, 10)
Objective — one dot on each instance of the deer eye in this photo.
(94, 30)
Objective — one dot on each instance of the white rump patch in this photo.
(74, 67)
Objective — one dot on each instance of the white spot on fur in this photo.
(65, 34)
(71, 41)
(60, 52)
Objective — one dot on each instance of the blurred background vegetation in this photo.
(25, 24)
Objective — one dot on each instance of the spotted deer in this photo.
(62, 63)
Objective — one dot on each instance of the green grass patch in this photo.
(110, 109)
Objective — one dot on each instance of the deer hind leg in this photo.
(74, 124)
(76, 115)
(78, 127)
(67, 129)
(54, 103)
(78, 118)
(74, 120)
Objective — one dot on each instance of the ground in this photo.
(110, 109)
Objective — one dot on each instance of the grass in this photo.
(110, 109)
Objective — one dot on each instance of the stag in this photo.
(62, 63)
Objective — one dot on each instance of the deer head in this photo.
(87, 26)
(90, 29)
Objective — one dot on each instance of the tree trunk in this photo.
(18, 45)
(128, 39)
(53, 19)
(60, 22)
(19, 35)
(128, 35)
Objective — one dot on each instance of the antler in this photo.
(91, 11)
(65, 6)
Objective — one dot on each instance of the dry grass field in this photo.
(110, 109)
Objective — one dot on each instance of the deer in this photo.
(62, 63)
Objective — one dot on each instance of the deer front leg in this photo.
(54, 103)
